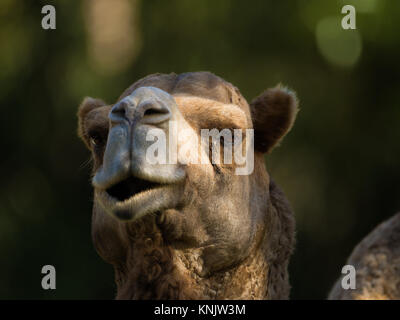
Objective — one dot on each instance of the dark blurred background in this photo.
(339, 166)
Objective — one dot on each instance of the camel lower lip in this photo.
(131, 198)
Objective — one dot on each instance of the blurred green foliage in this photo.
(339, 166)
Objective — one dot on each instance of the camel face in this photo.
(186, 191)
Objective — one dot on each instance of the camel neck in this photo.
(156, 270)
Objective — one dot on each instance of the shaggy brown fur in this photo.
(159, 276)
(178, 253)
(377, 263)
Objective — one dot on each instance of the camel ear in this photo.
(273, 113)
(88, 104)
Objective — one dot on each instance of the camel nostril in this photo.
(154, 113)
(123, 110)
(149, 110)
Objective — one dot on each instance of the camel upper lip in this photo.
(129, 187)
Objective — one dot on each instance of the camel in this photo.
(187, 230)
(376, 260)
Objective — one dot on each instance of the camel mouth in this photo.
(130, 187)
(133, 197)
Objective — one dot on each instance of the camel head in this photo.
(183, 204)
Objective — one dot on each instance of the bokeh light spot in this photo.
(113, 36)
(338, 46)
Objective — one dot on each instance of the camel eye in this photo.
(96, 140)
